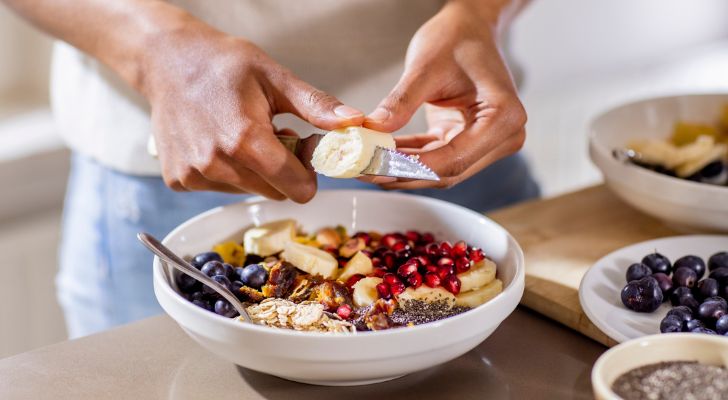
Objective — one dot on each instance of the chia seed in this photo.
(420, 312)
(673, 380)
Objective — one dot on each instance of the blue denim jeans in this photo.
(105, 275)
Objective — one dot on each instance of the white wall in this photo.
(24, 57)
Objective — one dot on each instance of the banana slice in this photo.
(477, 297)
(426, 294)
(365, 291)
(270, 238)
(310, 259)
(479, 275)
(359, 264)
(346, 152)
(657, 151)
(717, 152)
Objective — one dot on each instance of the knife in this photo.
(385, 162)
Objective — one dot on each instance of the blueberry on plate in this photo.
(708, 287)
(693, 262)
(684, 313)
(721, 325)
(637, 271)
(665, 284)
(657, 263)
(718, 260)
(678, 293)
(703, 330)
(643, 295)
(671, 324)
(693, 324)
(254, 275)
(214, 267)
(720, 275)
(690, 302)
(684, 276)
(203, 258)
(712, 309)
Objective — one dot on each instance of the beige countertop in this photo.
(528, 357)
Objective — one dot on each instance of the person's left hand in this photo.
(453, 62)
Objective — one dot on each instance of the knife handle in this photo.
(289, 142)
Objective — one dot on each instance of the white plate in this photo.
(599, 292)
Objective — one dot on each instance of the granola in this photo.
(304, 316)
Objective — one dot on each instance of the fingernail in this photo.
(379, 115)
(347, 112)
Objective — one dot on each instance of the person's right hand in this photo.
(213, 98)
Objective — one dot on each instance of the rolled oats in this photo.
(305, 316)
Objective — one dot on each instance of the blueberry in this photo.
(721, 325)
(203, 258)
(712, 309)
(693, 324)
(235, 288)
(671, 324)
(684, 276)
(637, 271)
(187, 284)
(202, 304)
(643, 295)
(665, 284)
(684, 313)
(657, 263)
(720, 275)
(693, 262)
(197, 296)
(254, 275)
(212, 268)
(715, 173)
(221, 280)
(708, 287)
(718, 260)
(230, 271)
(678, 293)
(690, 302)
(703, 330)
(224, 308)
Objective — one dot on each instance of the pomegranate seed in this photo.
(365, 236)
(445, 249)
(389, 240)
(376, 262)
(396, 288)
(407, 269)
(444, 271)
(415, 280)
(431, 268)
(379, 272)
(432, 249)
(452, 284)
(399, 246)
(413, 236)
(422, 260)
(476, 255)
(390, 278)
(427, 237)
(462, 264)
(383, 290)
(344, 311)
(460, 249)
(404, 254)
(333, 250)
(415, 261)
(445, 261)
(353, 280)
(342, 262)
(432, 280)
(379, 251)
(389, 258)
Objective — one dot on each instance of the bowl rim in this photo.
(601, 387)
(606, 154)
(517, 283)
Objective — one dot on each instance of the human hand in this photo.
(213, 98)
(453, 62)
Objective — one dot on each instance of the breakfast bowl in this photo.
(690, 347)
(682, 203)
(334, 358)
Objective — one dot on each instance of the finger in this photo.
(231, 173)
(268, 158)
(318, 108)
(193, 180)
(402, 102)
(377, 180)
(415, 141)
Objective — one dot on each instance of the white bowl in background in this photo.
(678, 201)
(703, 348)
(365, 357)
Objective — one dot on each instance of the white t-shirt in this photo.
(352, 49)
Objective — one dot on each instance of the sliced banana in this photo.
(426, 294)
(479, 275)
(311, 260)
(717, 152)
(359, 264)
(270, 238)
(346, 152)
(365, 291)
(477, 297)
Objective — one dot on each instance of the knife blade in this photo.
(385, 162)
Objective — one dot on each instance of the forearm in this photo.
(497, 13)
(118, 33)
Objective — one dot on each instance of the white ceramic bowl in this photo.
(681, 202)
(366, 357)
(703, 348)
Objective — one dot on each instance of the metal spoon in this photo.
(177, 262)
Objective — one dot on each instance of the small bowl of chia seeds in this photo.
(664, 367)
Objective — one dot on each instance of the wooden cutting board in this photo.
(562, 237)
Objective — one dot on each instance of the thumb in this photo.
(318, 108)
(402, 102)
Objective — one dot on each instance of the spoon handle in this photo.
(176, 261)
